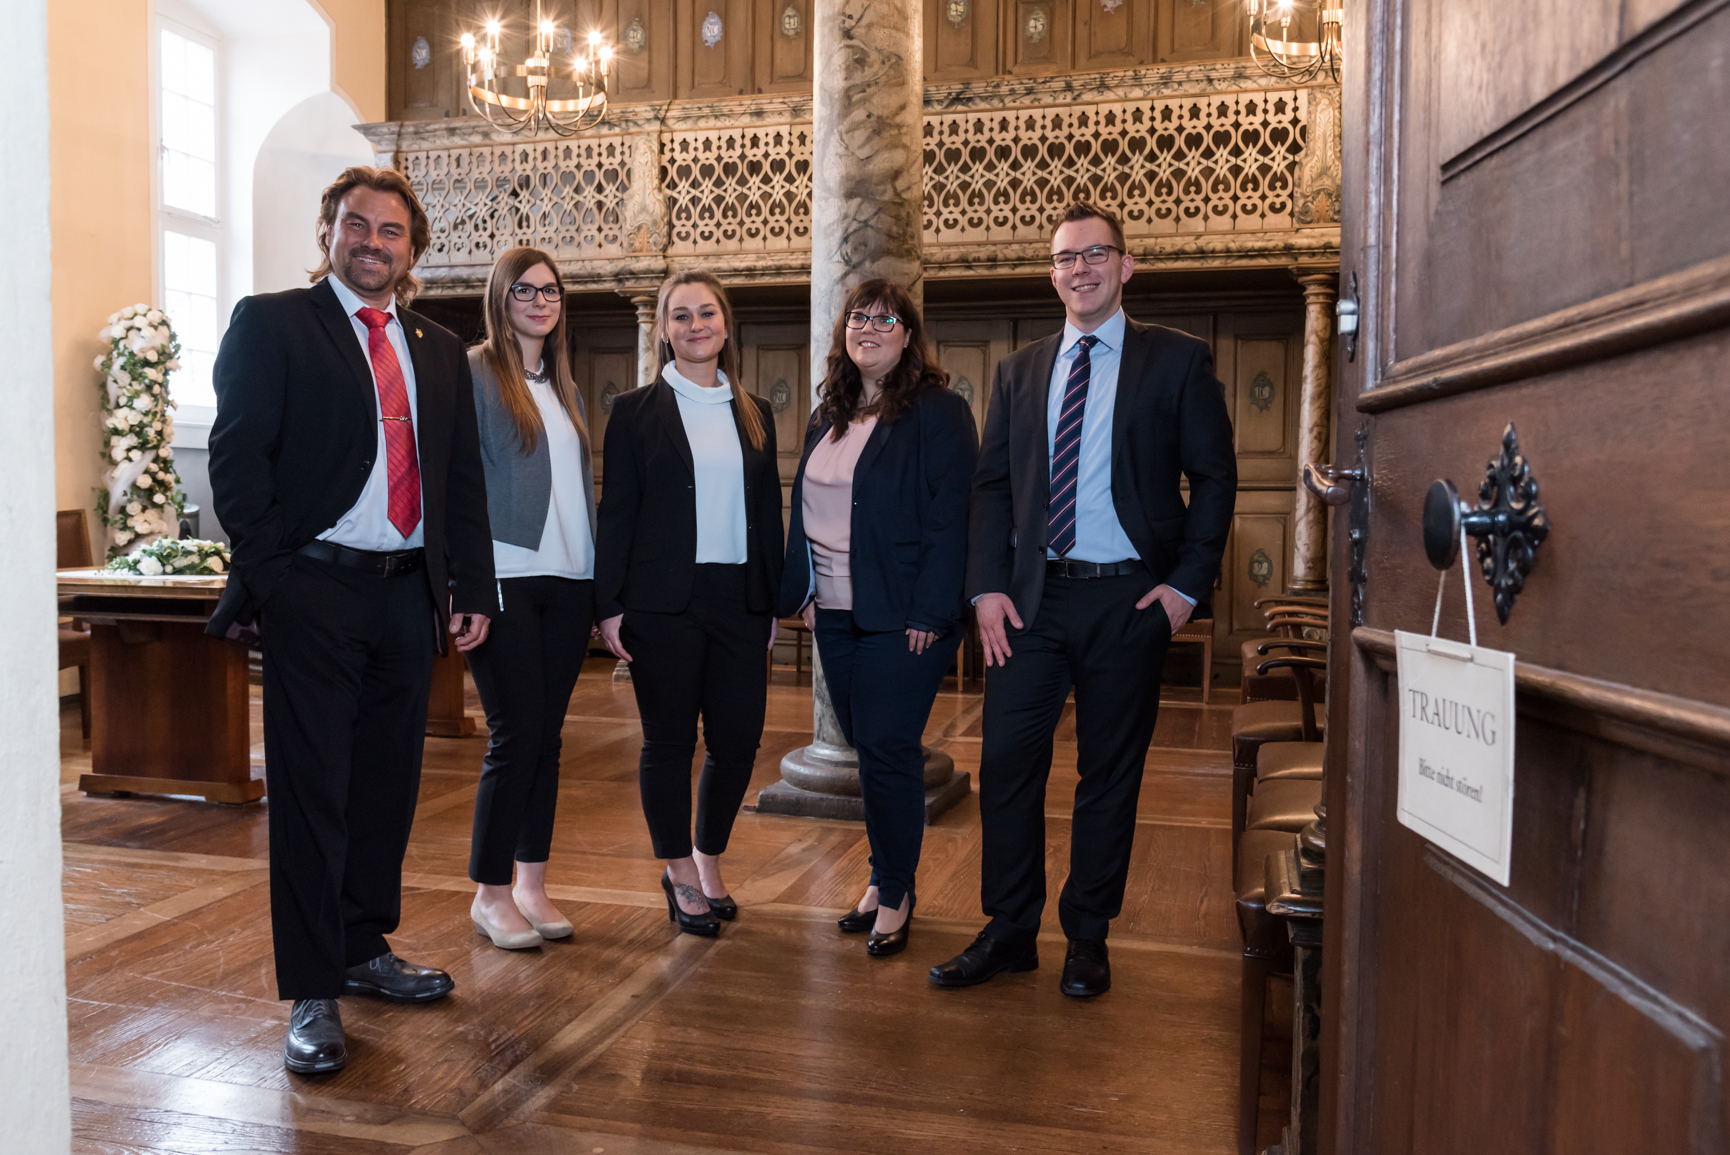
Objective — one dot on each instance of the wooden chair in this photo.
(1200, 630)
(1255, 724)
(72, 551)
(795, 626)
(1267, 951)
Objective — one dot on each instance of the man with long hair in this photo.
(345, 466)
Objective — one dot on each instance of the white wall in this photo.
(34, 1089)
(308, 147)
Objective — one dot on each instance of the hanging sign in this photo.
(1456, 708)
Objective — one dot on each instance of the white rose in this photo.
(98, 363)
(121, 537)
(151, 353)
(156, 389)
(165, 452)
(118, 453)
(154, 316)
(128, 311)
(159, 499)
(153, 374)
(113, 317)
(135, 455)
(134, 508)
(149, 566)
(215, 564)
(102, 334)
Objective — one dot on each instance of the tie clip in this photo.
(396, 418)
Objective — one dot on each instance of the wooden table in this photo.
(168, 702)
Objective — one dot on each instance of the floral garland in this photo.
(142, 487)
(188, 557)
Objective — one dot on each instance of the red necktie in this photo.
(399, 449)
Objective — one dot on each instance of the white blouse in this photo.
(719, 464)
(567, 543)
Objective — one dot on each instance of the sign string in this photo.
(1465, 580)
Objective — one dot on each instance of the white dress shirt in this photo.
(367, 525)
(567, 546)
(719, 465)
(1099, 536)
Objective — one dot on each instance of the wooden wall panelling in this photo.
(1255, 566)
(969, 351)
(1200, 30)
(431, 90)
(783, 49)
(776, 362)
(1036, 38)
(707, 71)
(604, 362)
(1031, 329)
(1259, 359)
(1121, 37)
(961, 39)
(645, 71)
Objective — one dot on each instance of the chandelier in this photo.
(1277, 53)
(486, 68)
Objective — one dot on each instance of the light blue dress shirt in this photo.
(1099, 536)
(368, 524)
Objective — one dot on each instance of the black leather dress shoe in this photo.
(857, 921)
(390, 978)
(984, 959)
(883, 944)
(316, 1044)
(1086, 971)
(705, 924)
(723, 908)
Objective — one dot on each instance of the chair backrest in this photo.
(72, 540)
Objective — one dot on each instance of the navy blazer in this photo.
(1169, 422)
(910, 492)
(646, 530)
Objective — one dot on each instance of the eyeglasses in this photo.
(1094, 256)
(524, 292)
(882, 322)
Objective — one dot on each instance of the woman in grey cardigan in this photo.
(541, 502)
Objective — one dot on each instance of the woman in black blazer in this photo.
(687, 567)
(876, 555)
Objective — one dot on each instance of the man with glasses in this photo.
(1083, 558)
(346, 468)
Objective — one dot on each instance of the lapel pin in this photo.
(417, 332)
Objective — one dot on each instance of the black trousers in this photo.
(1087, 635)
(347, 667)
(525, 672)
(708, 660)
(882, 694)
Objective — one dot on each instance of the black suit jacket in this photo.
(1169, 421)
(646, 542)
(909, 524)
(296, 433)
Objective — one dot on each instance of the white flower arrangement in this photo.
(175, 557)
(142, 500)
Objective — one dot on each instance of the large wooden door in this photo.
(1536, 202)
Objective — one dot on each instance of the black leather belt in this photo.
(383, 564)
(1069, 568)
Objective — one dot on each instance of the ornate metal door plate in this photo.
(1508, 523)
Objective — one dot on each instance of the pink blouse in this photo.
(827, 506)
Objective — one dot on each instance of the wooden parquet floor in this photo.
(781, 1036)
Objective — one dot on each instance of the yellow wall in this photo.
(100, 165)
(358, 68)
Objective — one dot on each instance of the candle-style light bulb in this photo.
(468, 48)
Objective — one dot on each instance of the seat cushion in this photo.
(1254, 724)
(1288, 760)
(1263, 935)
(1287, 804)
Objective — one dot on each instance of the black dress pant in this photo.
(1087, 635)
(525, 672)
(347, 667)
(708, 660)
(882, 694)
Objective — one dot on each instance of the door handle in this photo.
(1507, 522)
(1333, 486)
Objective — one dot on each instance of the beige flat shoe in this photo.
(559, 929)
(508, 940)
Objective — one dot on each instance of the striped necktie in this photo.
(1066, 450)
(400, 459)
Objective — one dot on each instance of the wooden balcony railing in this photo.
(1206, 165)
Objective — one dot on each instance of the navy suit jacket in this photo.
(1169, 422)
(910, 492)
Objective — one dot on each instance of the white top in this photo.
(567, 543)
(719, 464)
(367, 525)
(1099, 536)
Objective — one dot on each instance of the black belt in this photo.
(383, 564)
(1064, 567)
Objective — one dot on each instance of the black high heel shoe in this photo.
(705, 924)
(857, 921)
(884, 945)
(724, 908)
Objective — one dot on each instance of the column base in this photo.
(785, 798)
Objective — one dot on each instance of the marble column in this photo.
(1309, 572)
(867, 204)
(648, 363)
